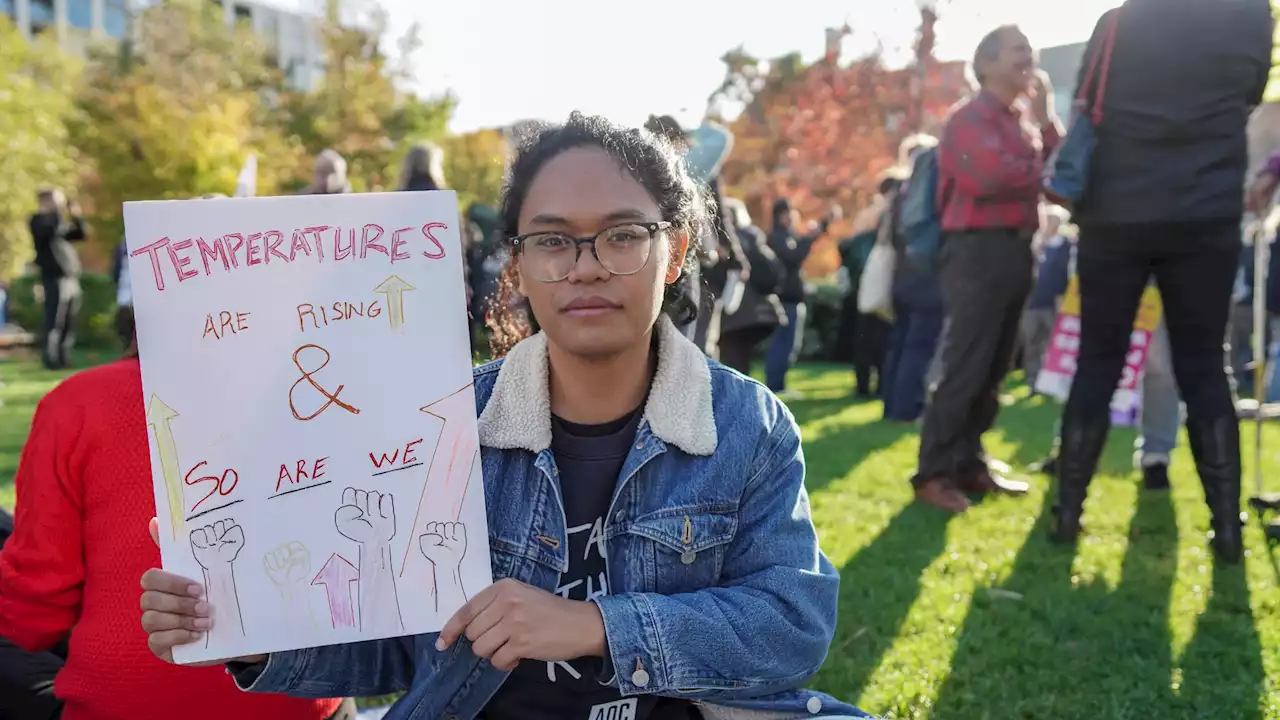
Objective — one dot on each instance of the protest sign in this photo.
(306, 373)
(1064, 346)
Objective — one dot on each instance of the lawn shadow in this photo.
(1068, 648)
(832, 454)
(878, 587)
(1022, 425)
(1222, 672)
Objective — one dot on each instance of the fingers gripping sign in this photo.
(510, 621)
(216, 548)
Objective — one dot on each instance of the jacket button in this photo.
(640, 678)
(687, 557)
(814, 706)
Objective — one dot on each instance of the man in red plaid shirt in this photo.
(990, 162)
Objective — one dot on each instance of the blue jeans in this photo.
(784, 346)
(1161, 413)
(913, 341)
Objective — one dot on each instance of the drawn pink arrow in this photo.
(336, 576)
(451, 463)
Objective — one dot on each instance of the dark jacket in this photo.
(731, 255)
(53, 236)
(1052, 275)
(760, 306)
(1184, 77)
(420, 183)
(792, 251)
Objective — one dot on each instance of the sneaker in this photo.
(1155, 477)
(789, 395)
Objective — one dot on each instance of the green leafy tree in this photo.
(35, 108)
(474, 164)
(358, 107)
(175, 113)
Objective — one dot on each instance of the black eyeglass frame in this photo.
(518, 243)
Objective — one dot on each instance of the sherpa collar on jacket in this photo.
(678, 409)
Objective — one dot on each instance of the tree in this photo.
(359, 109)
(474, 166)
(174, 113)
(822, 135)
(35, 148)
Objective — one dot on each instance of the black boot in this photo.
(1216, 447)
(1081, 444)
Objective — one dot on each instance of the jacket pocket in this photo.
(683, 549)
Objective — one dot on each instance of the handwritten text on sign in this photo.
(306, 373)
(1064, 348)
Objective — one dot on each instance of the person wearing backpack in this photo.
(917, 296)
(759, 312)
(54, 226)
(990, 162)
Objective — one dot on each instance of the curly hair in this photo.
(651, 160)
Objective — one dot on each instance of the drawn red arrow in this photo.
(450, 470)
(336, 576)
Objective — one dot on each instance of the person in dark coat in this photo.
(54, 227)
(758, 313)
(1165, 199)
(792, 249)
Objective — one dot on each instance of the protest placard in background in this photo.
(1064, 346)
(306, 371)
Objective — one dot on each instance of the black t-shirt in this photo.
(590, 458)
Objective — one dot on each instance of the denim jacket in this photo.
(719, 592)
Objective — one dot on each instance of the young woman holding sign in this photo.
(647, 513)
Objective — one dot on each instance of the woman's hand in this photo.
(174, 612)
(509, 621)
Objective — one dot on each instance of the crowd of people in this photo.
(675, 273)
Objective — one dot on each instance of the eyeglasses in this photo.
(622, 250)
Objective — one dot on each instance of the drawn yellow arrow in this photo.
(394, 288)
(158, 417)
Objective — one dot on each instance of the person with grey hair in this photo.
(423, 168)
(990, 162)
(917, 309)
(330, 175)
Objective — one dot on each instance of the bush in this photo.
(822, 326)
(95, 325)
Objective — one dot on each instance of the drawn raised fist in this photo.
(289, 564)
(217, 544)
(366, 517)
(444, 544)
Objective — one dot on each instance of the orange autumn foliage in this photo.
(824, 135)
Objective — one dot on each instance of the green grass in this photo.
(23, 381)
(979, 616)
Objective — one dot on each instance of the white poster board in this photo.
(306, 369)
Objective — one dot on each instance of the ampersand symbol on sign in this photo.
(332, 398)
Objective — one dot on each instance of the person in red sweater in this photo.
(70, 569)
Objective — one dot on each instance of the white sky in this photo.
(508, 60)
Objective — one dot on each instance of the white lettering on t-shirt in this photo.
(624, 709)
(585, 588)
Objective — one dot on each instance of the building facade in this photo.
(292, 36)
